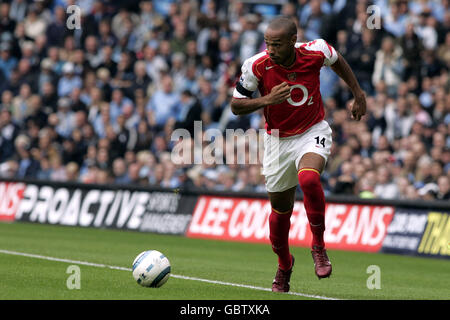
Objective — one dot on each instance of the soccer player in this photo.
(297, 141)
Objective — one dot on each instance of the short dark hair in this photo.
(283, 22)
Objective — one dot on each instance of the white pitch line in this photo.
(252, 287)
(100, 265)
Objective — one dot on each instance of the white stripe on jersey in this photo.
(238, 95)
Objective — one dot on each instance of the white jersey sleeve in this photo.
(330, 54)
(248, 82)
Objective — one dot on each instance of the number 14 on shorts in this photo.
(320, 141)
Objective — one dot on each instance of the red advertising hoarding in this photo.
(10, 195)
(348, 226)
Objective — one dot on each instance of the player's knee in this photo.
(282, 210)
(282, 206)
(282, 202)
(309, 180)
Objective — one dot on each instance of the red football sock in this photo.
(279, 225)
(314, 201)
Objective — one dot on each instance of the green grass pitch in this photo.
(254, 265)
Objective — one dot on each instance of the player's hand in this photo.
(279, 93)
(358, 106)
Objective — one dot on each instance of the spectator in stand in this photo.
(396, 20)
(251, 38)
(72, 172)
(388, 65)
(385, 187)
(7, 23)
(164, 104)
(7, 61)
(28, 166)
(140, 80)
(8, 133)
(426, 32)
(444, 188)
(444, 51)
(69, 80)
(36, 113)
(191, 111)
(63, 119)
(362, 58)
(58, 171)
(57, 28)
(34, 23)
(411, 47)
(119, 169)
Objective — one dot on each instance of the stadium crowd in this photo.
(98, 104)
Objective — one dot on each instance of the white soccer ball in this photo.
(151, 269)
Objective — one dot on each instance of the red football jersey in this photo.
(304, 108)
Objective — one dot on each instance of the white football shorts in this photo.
(282, 155)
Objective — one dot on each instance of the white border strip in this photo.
(99, 265)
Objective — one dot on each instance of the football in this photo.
(151, 269)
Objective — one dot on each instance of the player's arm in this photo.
(343, 70)
(243, 102)
(246, 105)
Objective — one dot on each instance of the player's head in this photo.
(280, 38)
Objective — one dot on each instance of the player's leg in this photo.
(279, 224)
(280, 172)
(309, 169)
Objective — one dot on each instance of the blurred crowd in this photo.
(99, 104)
